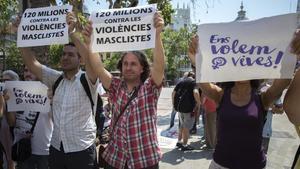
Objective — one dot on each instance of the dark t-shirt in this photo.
(184, 100)
(240, 134)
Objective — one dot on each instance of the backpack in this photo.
(184, 101)
(85, 85)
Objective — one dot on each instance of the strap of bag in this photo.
(34, 123)
(56, 83)
(123, 110)
(86, 87)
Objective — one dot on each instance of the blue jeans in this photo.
(34, 162)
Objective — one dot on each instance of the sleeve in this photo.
(114, 87)
(93, 90)
(100, 89)
(49, 76)
(150, 85)
(93, 87)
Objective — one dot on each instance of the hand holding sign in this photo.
(71, 20)
(193, 48)
(15, 25)
(87, 33)
(158, 23)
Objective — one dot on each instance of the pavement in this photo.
(282, 148)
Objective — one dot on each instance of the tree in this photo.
(176, 46)
(112, 62)
(55, 52)
(13, 59)
(8, 8)
(165, 7)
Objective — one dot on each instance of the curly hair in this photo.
(143, 61)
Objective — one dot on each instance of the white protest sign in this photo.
(44, 26)
(246, 50)
(27, 95)
(125, 29)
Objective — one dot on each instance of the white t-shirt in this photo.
(42, 133)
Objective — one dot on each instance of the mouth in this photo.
(64, 63)
(27, 77)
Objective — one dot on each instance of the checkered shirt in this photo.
(74, 123)
(134, 138)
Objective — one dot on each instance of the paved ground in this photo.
(282, 148)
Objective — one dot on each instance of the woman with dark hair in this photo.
(241, 112)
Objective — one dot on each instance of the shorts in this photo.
(186, 120)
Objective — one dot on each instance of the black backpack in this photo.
(85, 85)
(184, 101)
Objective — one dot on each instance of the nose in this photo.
(64, 56)
(127, 66)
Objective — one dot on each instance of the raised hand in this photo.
(15, 24)
(295, 44)
(87, 33)
(193, 48)
(71, 21)
(158, 22)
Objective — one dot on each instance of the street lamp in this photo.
(2, 59)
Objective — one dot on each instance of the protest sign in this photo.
(125, 29)
(44, 26)
(246, 50)
(27, 95)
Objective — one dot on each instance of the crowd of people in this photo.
(64, 138)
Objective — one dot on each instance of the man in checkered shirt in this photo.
(134, 141)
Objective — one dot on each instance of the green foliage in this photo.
(111, 62)
(8, 8)
(165, 7)
(55, 52)
(175, 45)
(13, 59)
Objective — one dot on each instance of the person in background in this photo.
(210, 130)
(189, 94)
(174, 112)
(5, 133)
(276, 108)
(40, 138)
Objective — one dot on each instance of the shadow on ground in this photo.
(164, 120)
(176, 156)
